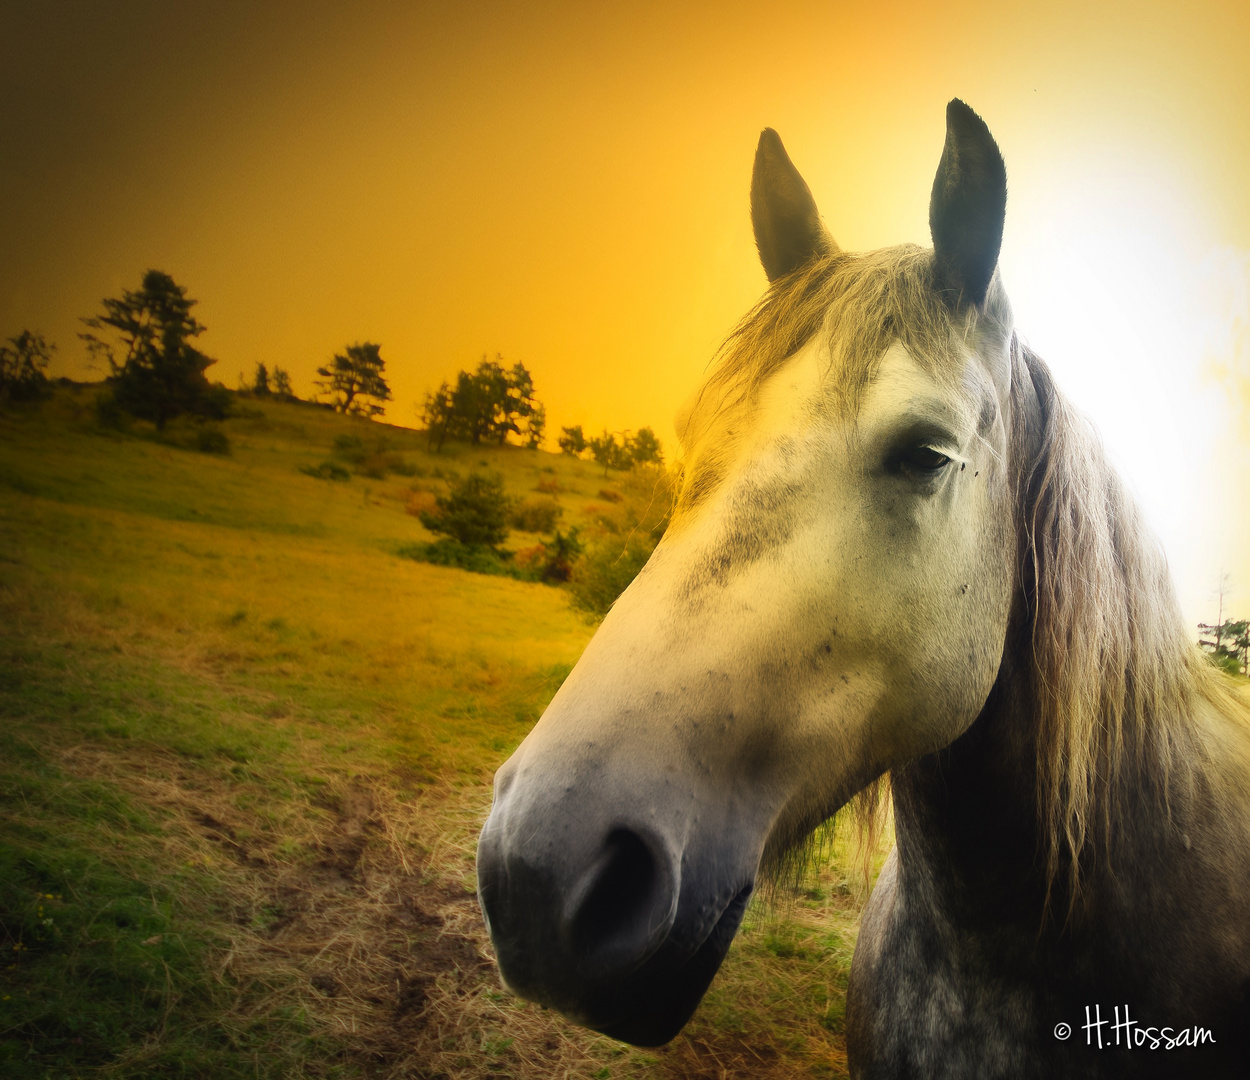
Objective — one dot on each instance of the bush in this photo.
(474, 512)
(559, 554)
(376, 466)
(211, 440)
(349, 447)
(109, 414)
(605, 571)
(421, 502)
(552, 560)
(327, 470)
(536, 515)
(623, 537)
(1227, 662)
(476, 558)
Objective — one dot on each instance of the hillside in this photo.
(246, 749)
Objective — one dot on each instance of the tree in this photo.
(1230, 647)
(487, 404)
(474, 512)
(282, 383)
(645, 447)
(160, 374)
(611, 454)
(438, 414)
(23, 362)
(354, 375)
(477, 398)
(260, 383)
(536, 427)
(572, 441)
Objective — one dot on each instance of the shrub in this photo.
(376, 466)
(610, 495)
(622, 538)
(536, 515)
(530, 558)
(605, 571)
(211, 440)
(327, 470)
(476, 558)
(420, 502)
(474, 512)
(349, 447)
(549, 487)
(109, 414)
(559, 554)
(1226, 662)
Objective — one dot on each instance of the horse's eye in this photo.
(921, 461)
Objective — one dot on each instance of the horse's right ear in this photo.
(788, 229)
(968, 205)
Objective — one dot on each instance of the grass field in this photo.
(245, 751)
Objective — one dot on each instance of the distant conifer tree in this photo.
(159, 374)
(474, 511)
(23, 362)
(355, 380)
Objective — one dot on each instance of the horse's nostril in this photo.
(625, 906)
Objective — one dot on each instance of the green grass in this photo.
(245, 750)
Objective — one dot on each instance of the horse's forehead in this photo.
(815, 389)
(965, 386)
(811, 389)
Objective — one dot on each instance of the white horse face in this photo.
(833, 605)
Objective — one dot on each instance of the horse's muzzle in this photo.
(596, 909)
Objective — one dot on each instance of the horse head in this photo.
(830, 600)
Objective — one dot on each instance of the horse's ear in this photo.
(788, 229)
(968, 205)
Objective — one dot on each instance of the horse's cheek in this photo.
(957, 620)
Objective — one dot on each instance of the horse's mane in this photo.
(1113, 676)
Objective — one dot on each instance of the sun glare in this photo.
(1116, 283)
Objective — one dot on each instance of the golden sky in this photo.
(566, 184)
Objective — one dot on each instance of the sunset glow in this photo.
(567, 186)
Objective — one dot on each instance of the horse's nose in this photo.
(622, 906)
(567, 918)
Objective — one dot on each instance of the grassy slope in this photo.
(244, 754)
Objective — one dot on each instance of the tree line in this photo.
(637, 449)
(491, 403)
(144, 339)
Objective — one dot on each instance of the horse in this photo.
(896, 551)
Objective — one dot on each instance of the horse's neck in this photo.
(966, 818)
(968, 824)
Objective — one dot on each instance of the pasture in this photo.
(245, 752)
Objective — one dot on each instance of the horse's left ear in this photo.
(968, 205)
(788, 229)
